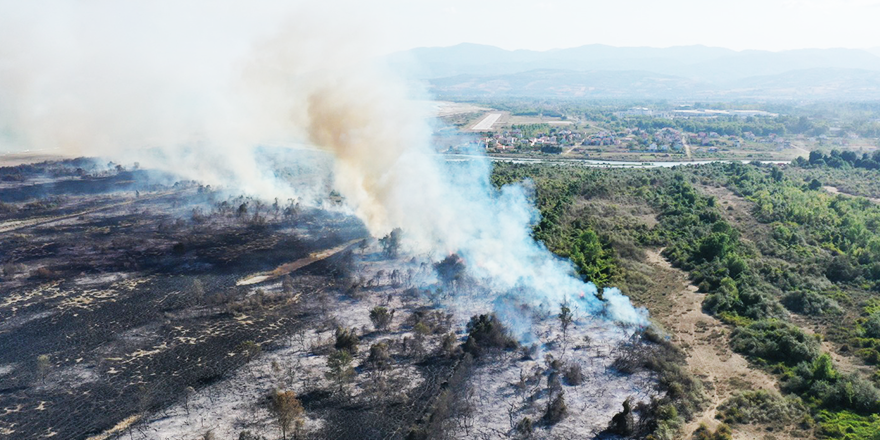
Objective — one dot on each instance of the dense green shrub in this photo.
(775, 341)
(845, 425)
(822, 385)
(761, 406)
(811, 303)
(723, 432)
(871, 327)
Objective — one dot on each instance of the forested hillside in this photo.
(789, 271)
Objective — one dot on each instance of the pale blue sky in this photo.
(742, 24)
(512, 24)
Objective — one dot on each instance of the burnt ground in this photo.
(126, 282)
(120, 290)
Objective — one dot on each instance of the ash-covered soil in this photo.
(134, 306)
(134, 298)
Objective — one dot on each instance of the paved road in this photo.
(598, 163)
(487, 122)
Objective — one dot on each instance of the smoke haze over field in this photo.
(83, 82)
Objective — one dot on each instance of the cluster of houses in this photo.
(602, 138)
(666, 139)
(515, 139)
(691, 113)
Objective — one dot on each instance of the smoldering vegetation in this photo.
(162, 309)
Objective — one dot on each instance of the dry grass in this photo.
(705, 340)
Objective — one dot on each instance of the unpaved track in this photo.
(836, 191)
(287, 268)
(705, 341)
(15, 225)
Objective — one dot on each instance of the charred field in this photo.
(136, 306)
(131, 303)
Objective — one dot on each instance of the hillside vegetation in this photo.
(790, 269)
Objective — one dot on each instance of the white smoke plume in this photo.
(83, 83)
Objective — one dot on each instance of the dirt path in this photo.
(705, 340)
(15, 225)
(836, 191)
(738, 211)
(15, 159)
(799, 147)
(287, 268)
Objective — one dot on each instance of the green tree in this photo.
(590, 258)
(43, 366)
(341, 372)
(381, 317)
(380, 356)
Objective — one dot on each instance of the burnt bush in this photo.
(46, 274)
(178, 249)
(346, 339)
(525, 427)
(486, 332)
(556, 409)
(434, 321)
(381, 317)
(623, 422)
(573, 374)
(683, 394)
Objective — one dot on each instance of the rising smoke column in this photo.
(305, 85)
(392, 177)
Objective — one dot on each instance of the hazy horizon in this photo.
(396, 25)
(871, 49)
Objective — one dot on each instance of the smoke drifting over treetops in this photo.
(85, 84)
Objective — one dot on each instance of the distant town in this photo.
(686, 132)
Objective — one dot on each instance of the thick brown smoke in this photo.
(119, 89)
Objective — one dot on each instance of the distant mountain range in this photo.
(675, 72)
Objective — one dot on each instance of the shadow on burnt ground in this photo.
(133, 355)
(384, 418)
(86, 185)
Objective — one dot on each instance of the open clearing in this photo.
(447, 108)
(836, 191)
(705, 340)
(13, 159)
